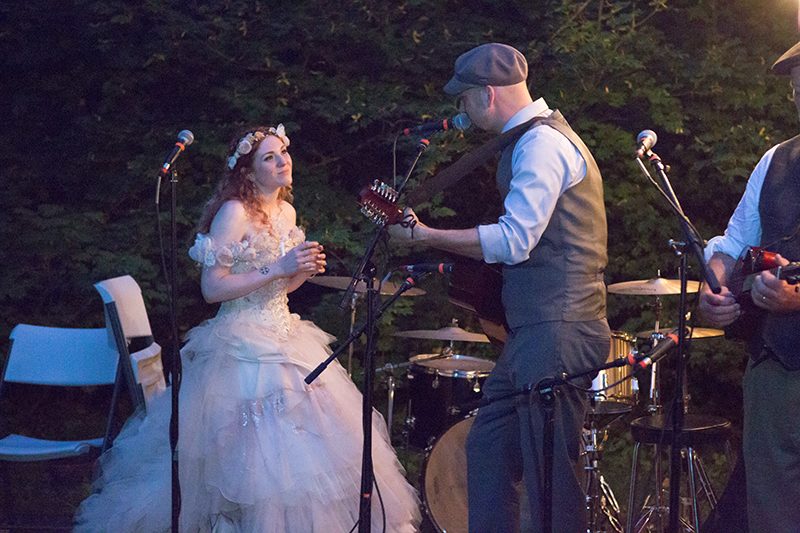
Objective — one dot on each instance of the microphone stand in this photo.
(694, 243)
(373, 314)
(367, 475)
(175, 367)
(545, 391)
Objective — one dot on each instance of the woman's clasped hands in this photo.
(306, 258)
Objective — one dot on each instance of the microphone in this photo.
(660, 350)
(441, 268)
(185, 138)
(645, 142)
(458, 122)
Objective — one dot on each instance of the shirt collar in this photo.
(534, 109)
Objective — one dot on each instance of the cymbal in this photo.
(342, 282)
(652, 287)
(697, 333)
(450, 333)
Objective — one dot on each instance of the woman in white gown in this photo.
(259, 450)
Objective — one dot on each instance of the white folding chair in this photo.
(130, 334)
(69, 357)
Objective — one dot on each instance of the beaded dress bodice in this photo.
(269, 303)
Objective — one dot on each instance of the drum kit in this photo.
(445, 389)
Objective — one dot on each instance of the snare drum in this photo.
(442, 390)
(444, 479)
(621, 345)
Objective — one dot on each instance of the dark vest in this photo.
(563, 277)
(779, 209)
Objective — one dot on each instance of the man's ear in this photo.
(489, 96)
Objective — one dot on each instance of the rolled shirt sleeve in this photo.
(744, 226)
(544, 165)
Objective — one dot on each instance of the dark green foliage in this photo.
(95, 91)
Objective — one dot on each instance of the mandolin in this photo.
(752, 262)
(474, 285)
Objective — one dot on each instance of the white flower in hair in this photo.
(280, 132)
(245, 145)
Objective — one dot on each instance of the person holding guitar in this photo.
(551, 241)
(768, 215)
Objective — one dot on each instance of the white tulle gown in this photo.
(260, 451)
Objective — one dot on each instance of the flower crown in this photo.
(245, 144)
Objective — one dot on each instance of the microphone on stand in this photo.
(658, 352)
(645, 142)
(441, 268)
(185, 138)
(458, 122)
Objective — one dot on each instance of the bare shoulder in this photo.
(230, 222)
(232, 209)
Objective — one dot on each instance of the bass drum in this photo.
(444, 479)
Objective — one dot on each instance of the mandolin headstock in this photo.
(378, 202)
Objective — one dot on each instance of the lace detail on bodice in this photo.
(270, 302)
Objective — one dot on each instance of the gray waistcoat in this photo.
(779, 209)
(563, 278)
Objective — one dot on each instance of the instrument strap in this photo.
(470, 161)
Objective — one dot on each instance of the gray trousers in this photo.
(771, 443)
(505, 444)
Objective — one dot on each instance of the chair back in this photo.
(128, 331)
(42, 355)
(124, 293)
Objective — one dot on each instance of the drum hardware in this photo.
(656, 287)
(391, 386)
(442, 387)
(387, 288)
(600, 499)
(694, 333)
(614, 385)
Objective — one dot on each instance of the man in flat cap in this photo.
(768, 215)
(551, 241)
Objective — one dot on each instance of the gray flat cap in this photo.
(790, 59)
(488, 64)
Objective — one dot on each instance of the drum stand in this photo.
(599, 496)
(391, 387)
(653, 516)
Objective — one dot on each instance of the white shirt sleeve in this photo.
(544, 165)
(744, 226)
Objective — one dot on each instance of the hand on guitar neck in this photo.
(771, 291)
(379, 203)
(759, 281)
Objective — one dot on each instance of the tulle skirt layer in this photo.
(259, 449)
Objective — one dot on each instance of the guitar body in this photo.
(477, 287)
(753, 261)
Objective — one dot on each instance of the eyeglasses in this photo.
(461, 96)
